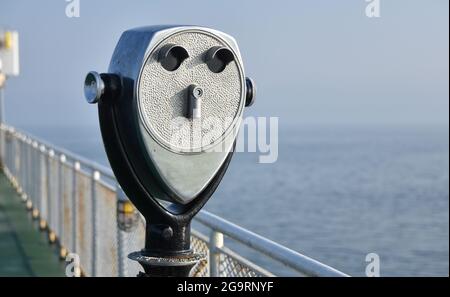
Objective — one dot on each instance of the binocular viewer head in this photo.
(170, 108)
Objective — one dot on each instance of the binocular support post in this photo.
(159, 262)
(168, 236)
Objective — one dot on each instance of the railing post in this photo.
(94, 181)
(215, 244)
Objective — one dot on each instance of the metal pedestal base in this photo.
(177, 266)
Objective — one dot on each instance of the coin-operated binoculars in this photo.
(170, 108)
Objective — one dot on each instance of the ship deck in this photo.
(24, 250)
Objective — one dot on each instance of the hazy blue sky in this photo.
(345, 68)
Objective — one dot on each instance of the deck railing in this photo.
(79, 204)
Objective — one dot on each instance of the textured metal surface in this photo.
(164, 101)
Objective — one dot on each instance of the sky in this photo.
(315, 62)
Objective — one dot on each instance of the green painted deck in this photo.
(24, 250)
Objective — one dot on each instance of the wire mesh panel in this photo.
(5, 148)
(34, 168)
(53, 180)
(232, 268)
(20, 174)
(2, 144)
(83, 221)
(59, 229)
(16, 156)
(27, 167)
(233, 265)
(199, 244)
(107, 240)
(10, 153)
(66, 207)
(43, 184)
(132, 240)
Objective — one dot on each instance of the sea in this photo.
(337, 194)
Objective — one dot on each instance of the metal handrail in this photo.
(218, 226)
(288, 257)
(94, 166)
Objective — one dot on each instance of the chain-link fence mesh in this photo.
(132, 240)
(199, 244)
(233, 265)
